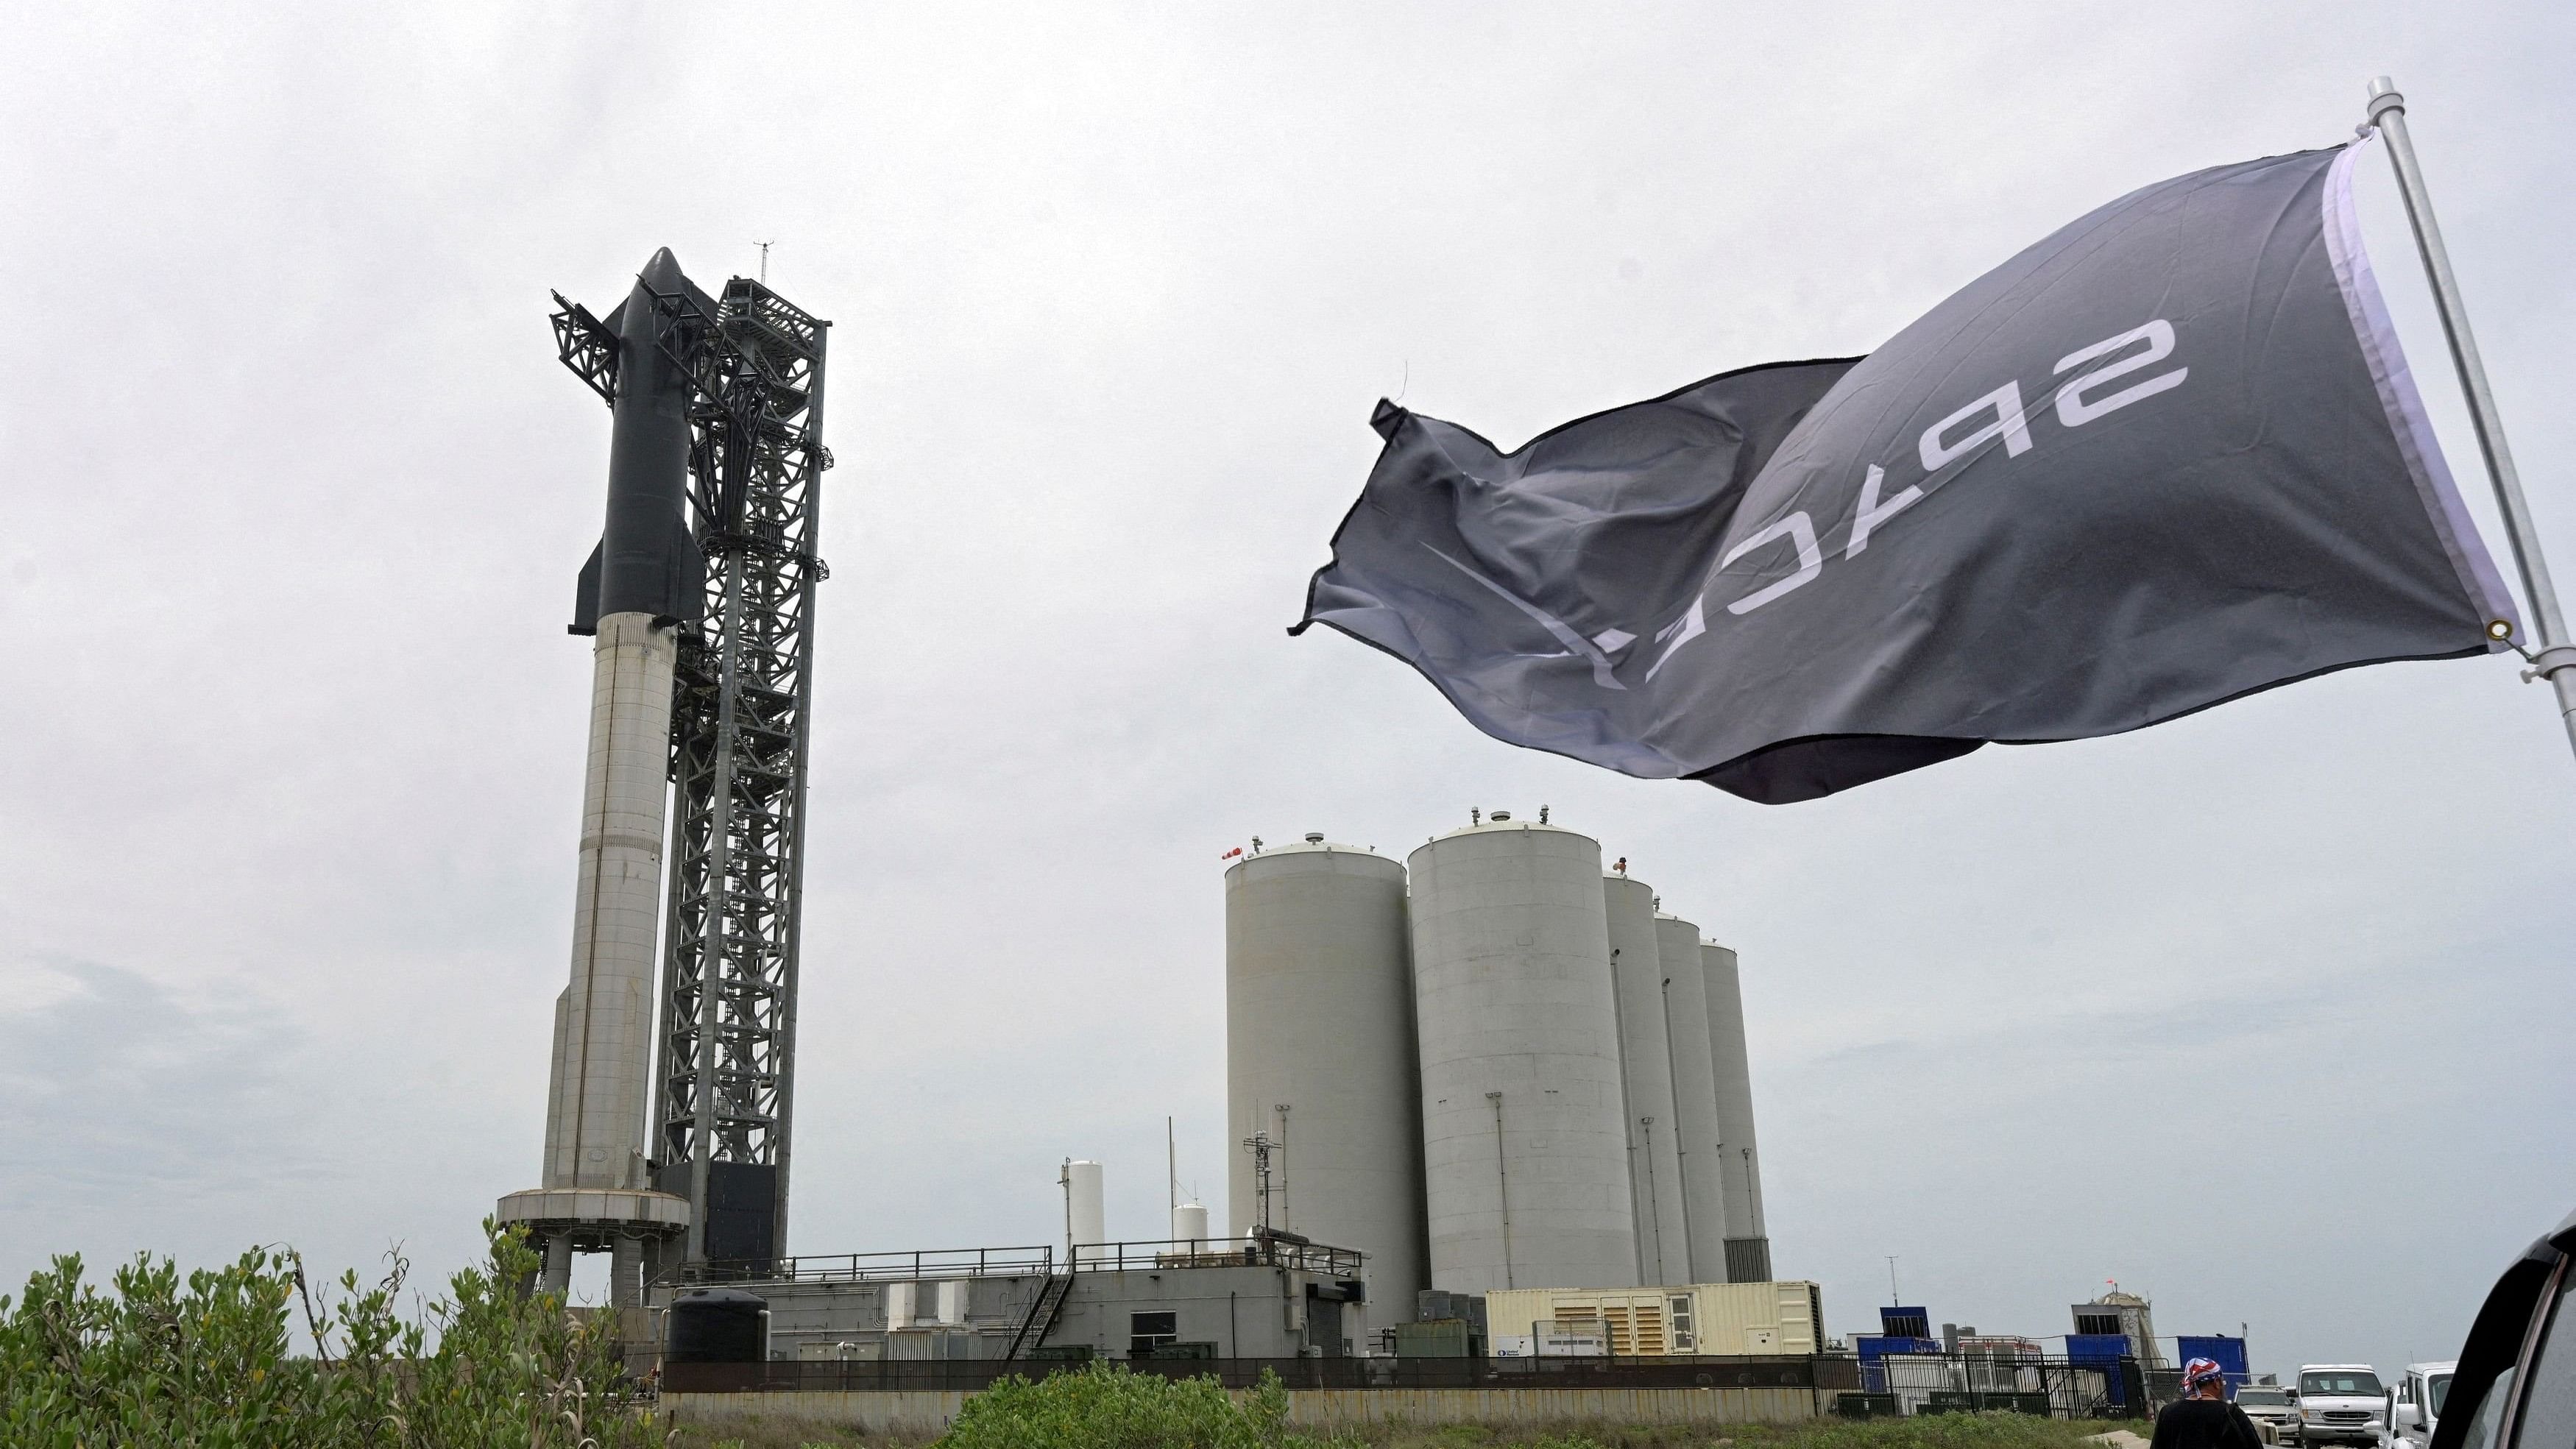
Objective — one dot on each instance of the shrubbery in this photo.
(208, 1362)
(1105, 1406)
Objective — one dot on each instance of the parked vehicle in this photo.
(2415, 1403)
(2341, 1403)
(2275, 1414)
(2515, 1382)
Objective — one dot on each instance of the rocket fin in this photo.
(585, 595)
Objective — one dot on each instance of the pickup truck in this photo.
(2274, 1412)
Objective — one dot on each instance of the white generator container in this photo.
(1696, 1320)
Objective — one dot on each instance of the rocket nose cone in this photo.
(662, 272)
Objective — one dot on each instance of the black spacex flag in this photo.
(2168, 456)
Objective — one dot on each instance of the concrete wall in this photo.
(815, 1313)
(1513, 1408)
(924, 1413)
(1245, 1312)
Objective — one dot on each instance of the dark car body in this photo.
(2515, 1387)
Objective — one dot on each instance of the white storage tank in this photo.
(1086, 1218)
(1748, 1241)
(1646, 1067)
(1696, 1130)
(1525, 1161)
(1190, 1228)
(1320, 1056)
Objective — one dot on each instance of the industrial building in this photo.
(1272, 1299)
(1491, 1073)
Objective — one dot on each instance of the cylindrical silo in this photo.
(1526, 1165)
(1748, 1240)
(1695, 1128)
(1646, 1067)
(1319, 1052)
(1086, 1219)
(1190, 1228)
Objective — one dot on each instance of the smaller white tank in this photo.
(1646, 1067)
(1190, 1228)
(1748, 1232)
(1086, 1217)
(1701, 1140)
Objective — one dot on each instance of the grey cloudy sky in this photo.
(2258, 1012)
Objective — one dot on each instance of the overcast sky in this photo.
(2262, 1012)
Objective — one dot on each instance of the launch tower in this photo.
(700, 600)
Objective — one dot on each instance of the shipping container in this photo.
(1723, 1320)
(2226, 1352)
(2112, 1354)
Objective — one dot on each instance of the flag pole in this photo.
(2555, 660)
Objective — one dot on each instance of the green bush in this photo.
(1106, 1406)
(208, 1362)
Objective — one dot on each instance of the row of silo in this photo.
(1517, 1074)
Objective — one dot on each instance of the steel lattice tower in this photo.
(725, 1088)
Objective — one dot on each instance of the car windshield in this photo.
(2437, 1387)
(2341, 1383)
(2262, 1398)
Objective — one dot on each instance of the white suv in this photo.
(2341, 1403)
(2415, 1406)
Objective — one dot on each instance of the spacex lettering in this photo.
(2078, 402)
(2279, 508)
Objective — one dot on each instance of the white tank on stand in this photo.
(1086, 1218)
(1190, 1228)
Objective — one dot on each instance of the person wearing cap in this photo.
(2203, 1418)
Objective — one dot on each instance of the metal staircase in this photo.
(1043, 1313)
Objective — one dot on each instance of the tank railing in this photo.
(892, 1267)
(1275, 1252)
